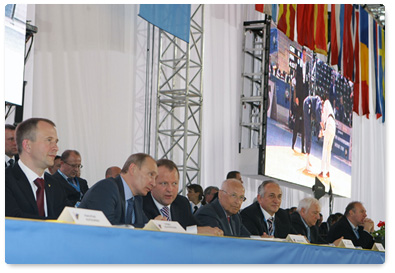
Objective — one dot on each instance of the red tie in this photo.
(40, 195)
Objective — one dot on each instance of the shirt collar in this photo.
(159, 205)
(303, 221)
(7, 158)
(126, 189)
(266, 214)
(352, 226)
(30, 175)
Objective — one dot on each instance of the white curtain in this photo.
(89, 78)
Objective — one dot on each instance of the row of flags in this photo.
(355, 44)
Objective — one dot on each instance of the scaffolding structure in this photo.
(179, 100)
(254, 93)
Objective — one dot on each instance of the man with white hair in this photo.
(304, 219)
(223, 212)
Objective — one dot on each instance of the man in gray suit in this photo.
(120, 198)
(223, 212)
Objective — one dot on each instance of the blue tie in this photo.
(165, 212)
(356, 232)
(129, 219)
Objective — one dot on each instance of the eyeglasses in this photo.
(74, 166)
(235, 197)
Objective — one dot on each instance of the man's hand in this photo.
(210, 231)
(161, 218)
(368, 225)
(264, 235)
(337, 242)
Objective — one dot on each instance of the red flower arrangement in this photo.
(379, 235)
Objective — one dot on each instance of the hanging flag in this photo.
(381, 73)
(321, 28)
(364, 59)
(286, 19)
(372, 61)
(259, 7)
(356, 77)
(305, 25)
(337, 19)
(174, 19)
(347, 48)
(274, 13)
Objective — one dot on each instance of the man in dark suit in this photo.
(223, 211)
(265, 217)
(29, 191)
(355, 226)
(120, 198)
(164, 200)
(305, 218)
(75, 187)
(301, 92)
(10, 148)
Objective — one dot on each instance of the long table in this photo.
(43, 242)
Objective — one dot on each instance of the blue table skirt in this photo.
(41, 242)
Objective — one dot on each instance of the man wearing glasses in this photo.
(223, 212)
(67, 175)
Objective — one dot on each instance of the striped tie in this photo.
(165, 212)
(270, 224)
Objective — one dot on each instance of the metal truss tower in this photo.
(179, 100)
(254, 93)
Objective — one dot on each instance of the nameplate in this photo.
(84, 217)
(346, 243)
(378, 247)
(168, 226)
(293, 238)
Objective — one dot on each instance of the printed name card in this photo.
(84, 217)
(346, 243)
(168, 226)
(378, 247)
(293, 238)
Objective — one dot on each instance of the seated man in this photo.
(74, 187)
(305, 218)
(164, 200)
(223, 211)
(120, 198)
(30, 192)
(265, 217)
(354, 226)
(113, 171)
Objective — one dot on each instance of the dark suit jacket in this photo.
(254, 221)
(343, 228)
(19, 197)
(213, 215)
(72, 194)
(300, 228)
(301, 89)
(180, 210)
(108, 195)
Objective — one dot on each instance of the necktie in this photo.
(40, 195)
(270, 226)
(129, 219)
(195, 208)
(71, 180)
(356, 232)
(11, 162)
(165, 212)
(308, 234)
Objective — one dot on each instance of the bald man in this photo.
(223, 211)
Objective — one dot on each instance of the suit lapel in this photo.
(118, 182)
(222, 217)
(25, 187)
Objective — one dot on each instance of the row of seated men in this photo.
(148, 189)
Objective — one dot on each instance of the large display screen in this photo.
(309, 121)
(14, 52)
